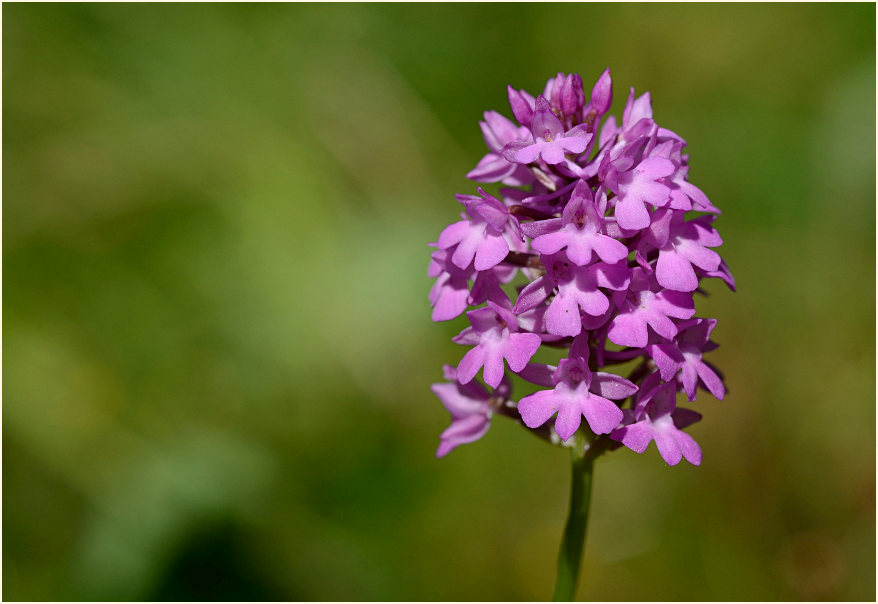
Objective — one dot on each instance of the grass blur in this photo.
(216, 331)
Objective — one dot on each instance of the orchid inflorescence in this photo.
(602, 241)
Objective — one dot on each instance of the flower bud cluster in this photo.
(594, 245)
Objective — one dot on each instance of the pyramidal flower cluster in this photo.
(593, 246)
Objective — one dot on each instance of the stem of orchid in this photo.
(573, 542)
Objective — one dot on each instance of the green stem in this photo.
(572, 545)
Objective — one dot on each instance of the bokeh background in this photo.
(218, 346)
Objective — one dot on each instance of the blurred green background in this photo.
(218, 346)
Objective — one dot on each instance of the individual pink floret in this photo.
(481, 238)
(581, 232)
(495, 337)
(682, 245)
(682, 358)
(577, 393)
(656, 418)
(550, 141)
(578, 287)
(646, 304)
(469, 407)
(493, 167)
(638, 186)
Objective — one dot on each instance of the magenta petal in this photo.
(491, 252)
(710, 379)
(631, 213)
(661, 324)
(675, 304)
(469, 336)
(698, 255)
(562, 316)
(628, 330)
(668, 447)
(655, 167)
(455, 401)
(636, 110)
(579, 247)
(636, 436)
(467, 429)
(609, 249)
(569, 419)
(613, 276)
(593, 302)
(466, 249)
(590, 323)
(470, 364)
(493, 372)
(580, 131)
(673, 271)
(520, 348)
(453, 234)
(610, 385)
(575, 144)
(608, 131)
(679, 201)
(705, 235)
(482, 320)
(655, 193)
(449, 305)
(685, 417)
(494, 213)
(448, 296)
(602, 93)
(602, 415)
(689, 377)
(533, 294)
(493, 140)
(552, 153)
(445, 447)
(552, 243)
(510, 150)
(546, 124)
(537, 229)
(537, 408)
(527, 154)
(688, 447)
(522, 105)
(501, 130)
(539, 374)
(667, 358)
(491, 168)
(463, 431)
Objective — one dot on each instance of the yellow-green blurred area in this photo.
(217, 340)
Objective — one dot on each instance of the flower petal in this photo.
(491, 252)
(631, 213)
(536, 409)
(610, 385)
(711, 380)
(675, 272)
(668, 447)
(628, 330)
(562, 316)
(520, 348)
(688, 447)
(569, 419)
(470, 364)
(602, 415)
(636, 436)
